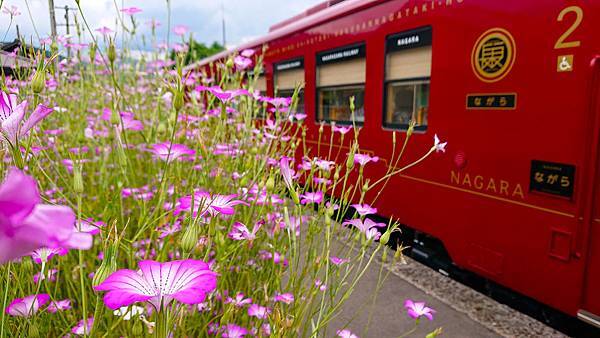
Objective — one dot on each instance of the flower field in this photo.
(144, 198)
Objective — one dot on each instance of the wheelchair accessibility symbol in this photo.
(565, 63)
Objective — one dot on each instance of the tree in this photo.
(198, 51)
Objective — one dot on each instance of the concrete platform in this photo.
(461, 311)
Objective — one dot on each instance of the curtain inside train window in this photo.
(341, 75)
(407, 78)
(288, 76)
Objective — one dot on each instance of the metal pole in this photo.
(223, 19)
(68, 31)
(52, 19)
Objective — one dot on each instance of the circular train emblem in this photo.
(493, 55)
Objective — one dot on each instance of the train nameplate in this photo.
(290, 65)
(419, 37)
(552, 178)
(341, 54)
(492, 101)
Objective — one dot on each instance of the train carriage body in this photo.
(513, 86)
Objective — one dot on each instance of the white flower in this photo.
(129, 312)
(439, 146)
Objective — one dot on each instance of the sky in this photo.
(245, 19)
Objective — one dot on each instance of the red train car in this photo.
(513, 85)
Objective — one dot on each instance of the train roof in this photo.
(313, 16)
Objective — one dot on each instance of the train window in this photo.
(261, 85)
(340, 75)
(407, 77)
(289, 75)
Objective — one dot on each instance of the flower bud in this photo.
(34, 332)
(27, 264)
(189, 239)
(39, 81)
(352, 107)
(115, 118)
(106, 268)
(270, 183)
(365, 186)
(350, 160)
(229, 63)
(112, 51)
(385, 238)
(162, 128)
(138, 328)
(77, 179)
(411, 128)
(294, 195)
(93, 49)
(178, 100)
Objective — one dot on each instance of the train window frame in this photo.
(425, 41)
(362, 47)
(301, 94)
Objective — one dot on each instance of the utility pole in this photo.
(67, 25)
(223, 22)
(52, 19)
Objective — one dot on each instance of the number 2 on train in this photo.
(561, 43)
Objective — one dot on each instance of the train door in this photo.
(590, 311)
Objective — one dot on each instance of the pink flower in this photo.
(233, 331)
(416, 310)
(223, 204)
(241, 62)
(368, 227)
(12, 114)
(12, 11)
(171, 152)
(247, 53)
(345, 334)
(287, 298)
(131, 10)
(50, 275)
(59, 305)
(187, 281)
(239, 300)
(342, 130)
(104, 30)
(240, 232)
(363, 159)
(338, 261)
(27, 306)
(286, 172)
(364, 209)
(311, 197)
(180, 30)
(26, 224)
(83, 327)
(43, 255)
(260, 312)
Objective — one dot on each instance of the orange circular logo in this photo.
(493, 55)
